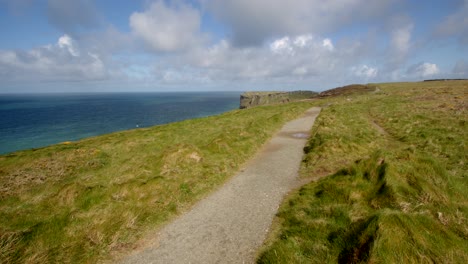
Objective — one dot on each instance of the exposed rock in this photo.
(251, 99)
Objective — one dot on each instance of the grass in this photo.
(391, 181)
(85, 201)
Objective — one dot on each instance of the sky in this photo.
(227, 45)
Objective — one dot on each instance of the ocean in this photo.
(38, 120)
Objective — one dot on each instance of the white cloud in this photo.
(364, 71)
(65, 42)
(291, 46)
(303, 40)
(286, 59)
(282, 45)
(327, 43)
(290, 62)
(273, 42)
(424, 70)
(59, 62)
(167, 28)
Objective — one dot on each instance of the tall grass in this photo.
(81, 202)
(395, 187)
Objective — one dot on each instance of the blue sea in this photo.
(33, 121)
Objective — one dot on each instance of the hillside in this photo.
(82, 202)
(348, 90)
(390, 180)
(386, 165)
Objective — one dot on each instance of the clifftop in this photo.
(348, 89)
(251, 99)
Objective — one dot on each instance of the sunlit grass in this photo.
(395, 185)
(80, 201)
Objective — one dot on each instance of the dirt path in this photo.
(231, 224)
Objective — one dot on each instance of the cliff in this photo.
(251, 99)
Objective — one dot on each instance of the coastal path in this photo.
(231, 224)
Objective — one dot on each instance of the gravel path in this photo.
(231, 224)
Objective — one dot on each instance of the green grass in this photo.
(86, 201)
(391, 181)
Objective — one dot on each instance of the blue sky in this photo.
(212, 45)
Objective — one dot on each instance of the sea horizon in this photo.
(113, 92)
(35, 120)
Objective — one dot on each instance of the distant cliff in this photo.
(251, 99)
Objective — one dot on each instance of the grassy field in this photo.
(81, 202)
(390, 167)
(391, 186)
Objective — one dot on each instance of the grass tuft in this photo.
(391, 183)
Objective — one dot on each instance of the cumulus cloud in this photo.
(282, 45)
(286, 59)
(423, 69)
(253, 22)
(62, 61)
(66, 42)
(167, 27)
(289, 62)
(327, 43)
(364, 71)
(71, 16)
(286, 44)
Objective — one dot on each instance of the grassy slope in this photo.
(396, 190)
(78, 202)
